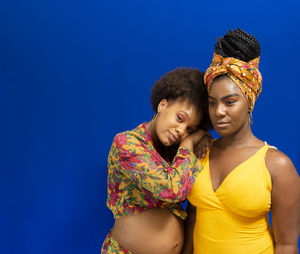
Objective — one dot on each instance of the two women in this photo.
(240, 180)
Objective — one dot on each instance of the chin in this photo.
(165, 142)
(223, 132)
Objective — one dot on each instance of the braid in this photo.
(238, 44)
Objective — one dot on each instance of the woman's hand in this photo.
(199, 141)
(201, 148)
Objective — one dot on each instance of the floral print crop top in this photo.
(140, 179)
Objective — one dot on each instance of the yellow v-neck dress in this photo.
(234, 218)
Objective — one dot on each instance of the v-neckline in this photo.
(230, 173)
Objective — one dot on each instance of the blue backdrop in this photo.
(75, 73)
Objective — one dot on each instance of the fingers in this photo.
(200, 141)
(205, 143)
(201, 148)
(197, 150)
(204, 147)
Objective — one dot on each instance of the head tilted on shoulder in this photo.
(233, 76)
(179, 100)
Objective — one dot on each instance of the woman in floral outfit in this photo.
(152, 167)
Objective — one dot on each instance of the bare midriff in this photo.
(154, 231)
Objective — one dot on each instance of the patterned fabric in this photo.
(139, 178)
(111, 246)
(245, 75)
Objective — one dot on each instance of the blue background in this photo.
(75, 73)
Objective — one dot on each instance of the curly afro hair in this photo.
(238, 44)
(183, 83)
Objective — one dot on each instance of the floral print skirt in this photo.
(111, 246)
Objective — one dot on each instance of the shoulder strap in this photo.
(270, 146)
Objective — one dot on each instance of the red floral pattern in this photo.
(139, 178)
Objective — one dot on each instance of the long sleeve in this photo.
(137, 161)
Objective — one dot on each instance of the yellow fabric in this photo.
(245, 74)
(234, 218)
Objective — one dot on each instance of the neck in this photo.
(150, 126)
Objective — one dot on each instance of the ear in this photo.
(162, 105)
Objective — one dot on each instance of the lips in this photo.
(173, 138)
(222, 124)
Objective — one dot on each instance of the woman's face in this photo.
(228, 108)
(176, 119)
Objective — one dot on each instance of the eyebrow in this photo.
(225, 97)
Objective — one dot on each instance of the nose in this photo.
(180, 130)
(220, 110)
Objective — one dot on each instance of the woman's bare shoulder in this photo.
(279, 164)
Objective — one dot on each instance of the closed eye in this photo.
(189, 130)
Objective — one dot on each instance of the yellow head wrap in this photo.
(245, 74)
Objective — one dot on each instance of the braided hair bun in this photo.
(238, 44)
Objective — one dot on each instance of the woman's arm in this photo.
(199, 142)
(137, 160)
(285, 202)
(189, 224)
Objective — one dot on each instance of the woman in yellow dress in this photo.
(243, 178)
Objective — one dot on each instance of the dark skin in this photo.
(230, 116)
